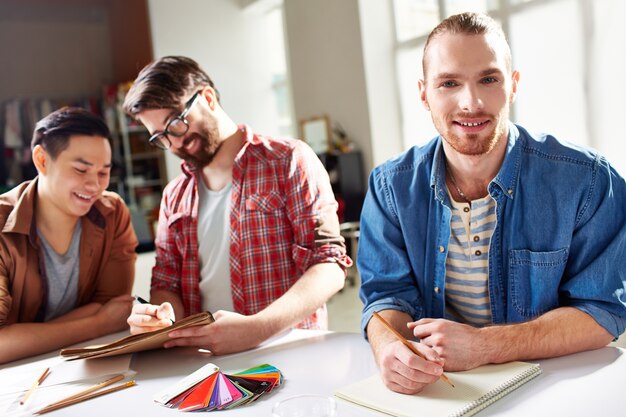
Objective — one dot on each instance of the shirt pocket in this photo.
(266, 202)
(535, 278)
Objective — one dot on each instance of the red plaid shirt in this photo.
(283, 220)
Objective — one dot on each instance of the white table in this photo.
(583, 384)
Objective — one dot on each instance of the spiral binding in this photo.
(498, 392)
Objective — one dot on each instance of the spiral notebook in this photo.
(474, 390)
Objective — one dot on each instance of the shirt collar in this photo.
(22, 217)
(507, 176)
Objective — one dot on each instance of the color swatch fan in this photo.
(208, 389)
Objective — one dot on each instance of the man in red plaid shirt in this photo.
(249, 230)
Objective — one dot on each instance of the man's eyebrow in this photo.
(453, 75)
(169, 116)
(446, 75)
(490, 71)
(84, 162)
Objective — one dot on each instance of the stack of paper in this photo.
(208, 389)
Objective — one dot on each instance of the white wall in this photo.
(572, 86)
(378, 39)
(231, 46)
(608, 89)
(550, 95)
(325, 58)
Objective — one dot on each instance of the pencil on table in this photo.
(407, 343)
(35, 385)
(67, 402)
(93, 388)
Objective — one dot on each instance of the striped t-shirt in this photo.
(467, 264)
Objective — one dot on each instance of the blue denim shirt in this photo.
(560, 236)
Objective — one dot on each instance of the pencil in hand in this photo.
(35, 385)
(407, 343)
(143, 301)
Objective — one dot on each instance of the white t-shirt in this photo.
(214, 247)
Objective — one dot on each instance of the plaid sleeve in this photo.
(167, 270)
(312, 208)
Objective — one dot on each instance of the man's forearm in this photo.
(78, 313)
(379, 336)
(558, 332)
(310, 292)
(22, 340)
(157, 297)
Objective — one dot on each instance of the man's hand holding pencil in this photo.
(146, 317)
(406, 367)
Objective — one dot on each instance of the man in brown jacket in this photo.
(67, 256)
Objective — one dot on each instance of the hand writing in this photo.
(149, 317)
(405, 372)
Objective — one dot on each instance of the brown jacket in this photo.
(107, 255)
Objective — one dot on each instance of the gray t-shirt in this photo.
(62, 276)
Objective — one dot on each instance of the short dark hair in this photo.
(468, 23)
(165, 83)
(53, 132)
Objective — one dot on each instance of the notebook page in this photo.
(440, 399)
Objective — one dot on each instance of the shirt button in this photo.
(477, 253)
(437, 290)
(442, 249)
(476, 238)
(510, 191)
(466, 209)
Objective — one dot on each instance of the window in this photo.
(278, 66)
(555, 46)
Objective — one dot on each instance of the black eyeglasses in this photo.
(178, 126)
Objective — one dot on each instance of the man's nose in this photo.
(176, 141)
(470, 100)
(93, 181)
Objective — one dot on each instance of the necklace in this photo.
(458, 190)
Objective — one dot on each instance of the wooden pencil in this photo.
(407, 343)
(35, 385)
(76, 400)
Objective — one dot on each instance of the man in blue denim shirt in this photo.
(550, 277)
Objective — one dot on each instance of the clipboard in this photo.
(137, 342)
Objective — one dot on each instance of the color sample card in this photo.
(209, 389)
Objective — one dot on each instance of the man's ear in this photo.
(211, 97)
(421, 85)
(41, 159)
(514, 81)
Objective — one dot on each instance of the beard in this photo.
(472, 144)
(209, 146)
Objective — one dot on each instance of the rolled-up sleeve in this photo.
(312, 210)
(167, 271)
(595, 277)
(387, 279)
